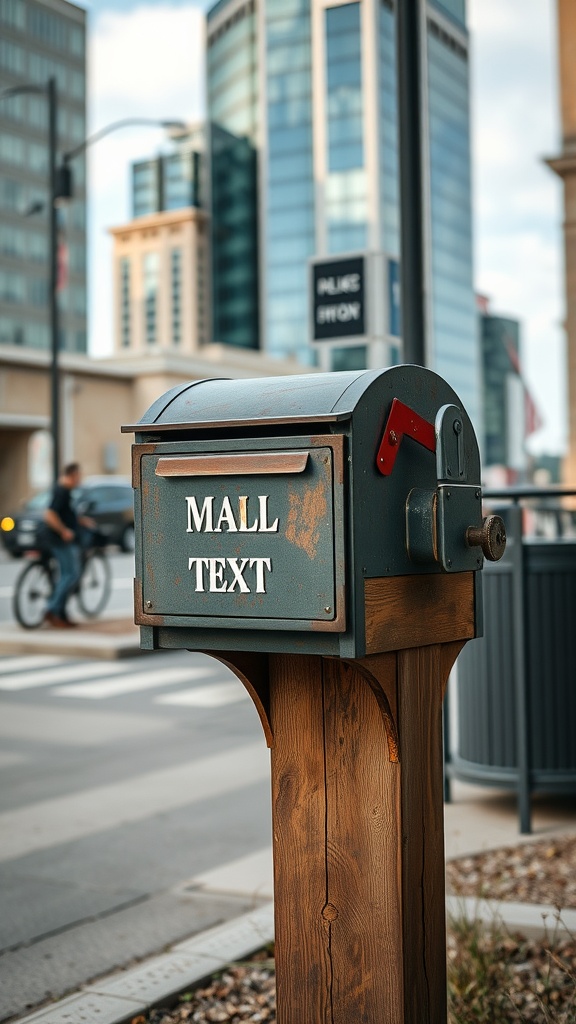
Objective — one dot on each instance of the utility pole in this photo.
(409, 78)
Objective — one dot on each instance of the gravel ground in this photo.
(493, 977)
(542, 872)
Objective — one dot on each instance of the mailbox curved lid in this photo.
(318, 397)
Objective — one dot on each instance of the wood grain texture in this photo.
(358, 836)
(363, 843)
(252, 671)
(303, 970)
(414, 611)
(422, 676)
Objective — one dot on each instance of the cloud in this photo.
(148, 59)
(517, 200)
(145, 62)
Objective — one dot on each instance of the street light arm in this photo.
(17, 90)
(126, 122)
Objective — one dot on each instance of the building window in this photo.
(353, 357)
(151, 276)
(12, 288)
(48, 27)
(176, 281)
(125, 324)
(344, 85)
(11, 57)
(13, 13)
(146, 188)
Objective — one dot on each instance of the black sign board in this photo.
(338, 298)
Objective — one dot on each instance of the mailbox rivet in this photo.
(457, 427)
(448, 495)
(327, 609)
(449, 562)
(148, 604)
(478, 494)
(393, 437)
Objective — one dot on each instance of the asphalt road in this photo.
(122, 783)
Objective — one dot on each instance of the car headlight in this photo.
(7, 524)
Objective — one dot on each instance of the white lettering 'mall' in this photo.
(201, 520)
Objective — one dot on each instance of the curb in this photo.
(105, 638)
(530, 919)
(117, 998)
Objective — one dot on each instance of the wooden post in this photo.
(357, 814)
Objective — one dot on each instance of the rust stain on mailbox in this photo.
(305, 518)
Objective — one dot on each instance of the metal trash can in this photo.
(516, 686)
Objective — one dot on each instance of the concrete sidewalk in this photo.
(477, 819)
(107, 637)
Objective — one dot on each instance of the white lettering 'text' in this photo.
(213, 570)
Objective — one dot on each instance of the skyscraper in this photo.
(309, 87)
(40, 39)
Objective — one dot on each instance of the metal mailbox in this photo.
(322, 535)
(285, 514)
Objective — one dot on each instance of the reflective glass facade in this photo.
(500, 338)
(233, 117)
(328, 185)
(346, 201)
(168, 182)
(38, 40)
(388, 124)
(455, 9)
(455, 347)
(289, 226)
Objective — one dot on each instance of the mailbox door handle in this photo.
(242, 464)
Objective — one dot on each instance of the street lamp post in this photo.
(53, 283)
(60, 188)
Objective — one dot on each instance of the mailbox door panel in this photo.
(237, 536)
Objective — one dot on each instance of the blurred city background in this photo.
(220, 171)
(193, 190)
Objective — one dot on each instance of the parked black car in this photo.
(108, 500)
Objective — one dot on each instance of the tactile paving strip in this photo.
(119, 998)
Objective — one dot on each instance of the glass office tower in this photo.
(233, 116)
(40, 39)
(319, 80)
(171, 181)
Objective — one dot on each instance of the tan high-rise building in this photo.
(565, 167)
(161, 297)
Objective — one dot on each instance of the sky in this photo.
(146, 60)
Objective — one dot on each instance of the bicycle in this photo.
(36, 583)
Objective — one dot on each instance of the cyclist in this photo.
(63, 538)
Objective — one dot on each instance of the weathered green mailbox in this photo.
(322, 535)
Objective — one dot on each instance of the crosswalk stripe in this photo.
(214, 696)
(65, 819)
(64, 671)
(123, 583)
(30, 661)
(47, 677)
(157, 677)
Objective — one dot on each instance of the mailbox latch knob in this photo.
(491, 537)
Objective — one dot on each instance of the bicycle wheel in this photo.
(33, 588)
(95, 584)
